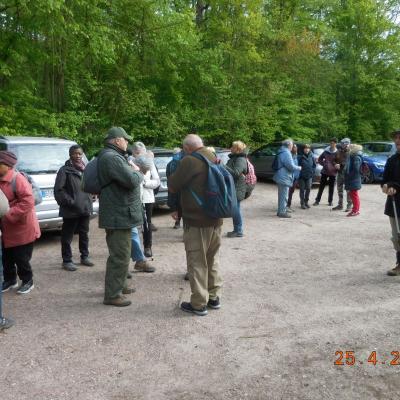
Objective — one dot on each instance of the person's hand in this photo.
(337, 166)
(391, 191)
(174, 215)
(134, 166)
(299, 168)
(385, 188)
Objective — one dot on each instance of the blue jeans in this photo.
(237, 219)
(283, 193)
(136, 249)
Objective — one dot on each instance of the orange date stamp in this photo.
(348, 357)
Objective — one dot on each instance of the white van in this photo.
(41, 158)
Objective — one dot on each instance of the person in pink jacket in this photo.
(19, 226)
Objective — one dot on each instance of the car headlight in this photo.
(379, 165)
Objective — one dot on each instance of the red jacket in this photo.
(20, 225)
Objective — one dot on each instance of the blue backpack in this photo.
(220, 197)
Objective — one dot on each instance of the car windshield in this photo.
(41, 158)
(367, 153)
(161, 161)
(318, 151)
(380, 147)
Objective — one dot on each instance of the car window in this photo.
(41, 158)
(161, 161)
(270, 150)
(223, 156)
(380, 147)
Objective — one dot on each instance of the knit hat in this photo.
(345, 141)
(117, 132)
(8, 158)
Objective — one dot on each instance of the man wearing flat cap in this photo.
(341, 158)
(20, 227)
(120, 209)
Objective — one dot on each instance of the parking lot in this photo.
(297, 292)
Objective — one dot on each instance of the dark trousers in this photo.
(291, 191)
(16, 260)
(147, 233)
(70, 226)
(325, 179)
(305, 188)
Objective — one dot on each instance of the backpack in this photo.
(250, 179)
(220, 197)
(275, 163)
(37, 193)
(90, 177)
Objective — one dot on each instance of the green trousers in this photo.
(119, 248)
(202, 256)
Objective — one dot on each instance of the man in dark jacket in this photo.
(202, 234)
(341, 158)
(391, 187)
(307, 164)
(120, 209)
(76, 206)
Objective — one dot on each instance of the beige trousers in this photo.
(202, 257)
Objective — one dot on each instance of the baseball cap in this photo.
(117, 132)
(345, 141)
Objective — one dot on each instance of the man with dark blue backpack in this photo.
(202, 233)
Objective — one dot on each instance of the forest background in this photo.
(256, 70)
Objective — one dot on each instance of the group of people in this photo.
(341, 165)
(128, 179)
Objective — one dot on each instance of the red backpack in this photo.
(250, 179)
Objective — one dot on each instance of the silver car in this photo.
(41, 158)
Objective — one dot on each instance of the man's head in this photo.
(118, 137)
(8, 160)
(288, 143)
(191, 143)
(307, 149)
(345, 143)
(333, 143)
(396, 140)
(75, 153)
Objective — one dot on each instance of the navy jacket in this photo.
(308, 165)
(391, 177)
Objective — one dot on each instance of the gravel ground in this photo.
(295, 292)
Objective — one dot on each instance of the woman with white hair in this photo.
(284, 175)
(151, 181)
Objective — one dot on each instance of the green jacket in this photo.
(120, 206)
(237, 166)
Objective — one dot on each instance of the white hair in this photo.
(287, 142)
(193, 141)
(138, 148)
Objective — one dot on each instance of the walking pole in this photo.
(396, 217)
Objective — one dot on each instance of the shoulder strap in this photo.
(14, 182)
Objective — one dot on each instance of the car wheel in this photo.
(367, 176)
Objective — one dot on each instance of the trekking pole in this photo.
(396, 217)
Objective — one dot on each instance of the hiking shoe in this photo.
(147, 252)
(87, 261)
(185, 306)
(177, 225)
(26, 287)
(186, 277)
(143, 266)
(69, 266)
(214, 304)
(307, 205)
(303, 207)
(284, 215)
(316, 203)
(6, 323)
(338, 207)
(289, 210)
(153, 228)
(353, 214)
(7, 285)
(330, 204)
(119, 301)
(234, 234)
(128, 290)
(395, 271)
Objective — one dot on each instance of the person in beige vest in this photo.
(202, 234)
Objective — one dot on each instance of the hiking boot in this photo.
(186, 277)
(128, 290)
(26, 287)
(353, 214)
(307, 205)
(330, 204)
(215, 304)
(177, 225)
(289, 210)
(316, 203)
(143, 266)
(395, 271)
(6, 323)
(303, 207)
(147, 252)
(153, 228)
(119, 301)
(348, 209)
(284, 215)
(7, 285)
(338, 207)
(87, 261)
(185, 306)
(234, 234)
(69, 266)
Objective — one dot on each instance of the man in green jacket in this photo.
(120, 209)
(202, 234)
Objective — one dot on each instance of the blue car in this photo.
(373, 166)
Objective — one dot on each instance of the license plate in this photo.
(47, 193)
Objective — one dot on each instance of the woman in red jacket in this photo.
(20, 227)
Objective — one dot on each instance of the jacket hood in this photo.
(355, 148)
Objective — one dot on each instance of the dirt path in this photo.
(295, 292)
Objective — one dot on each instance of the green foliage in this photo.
(255, 70)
